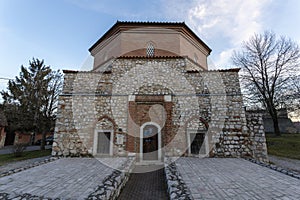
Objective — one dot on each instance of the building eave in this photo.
(120, 26)
(147, 57)
(226, 70)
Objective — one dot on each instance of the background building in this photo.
(3, 124)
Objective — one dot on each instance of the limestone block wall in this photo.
(97, 100)
(257, 137)
(83, 103)
(228, 133)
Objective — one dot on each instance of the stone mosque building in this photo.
(150, 95)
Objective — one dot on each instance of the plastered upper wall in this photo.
(194, 51)
(108, 49)
(166, 42)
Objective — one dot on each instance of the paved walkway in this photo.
(286, 163)
(68, 178)
(145, 184)
(210, 178)
(228, 178)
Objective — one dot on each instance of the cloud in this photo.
(233, 21)
(223, 24)
(237, 19)
(224, 58)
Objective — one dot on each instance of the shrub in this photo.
(18, 149)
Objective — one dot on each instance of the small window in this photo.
(150, 50)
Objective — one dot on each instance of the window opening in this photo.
(150, 50)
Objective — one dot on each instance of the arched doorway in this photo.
(103, 137)
(150, 142)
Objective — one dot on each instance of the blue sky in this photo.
(61, 31)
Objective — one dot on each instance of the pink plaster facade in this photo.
(168, 39)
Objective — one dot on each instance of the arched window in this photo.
(150, 50)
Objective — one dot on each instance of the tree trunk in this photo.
(43, 140)
(275, 124)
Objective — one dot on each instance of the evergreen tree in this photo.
(31, 100)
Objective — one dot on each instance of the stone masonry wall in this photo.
(213, 97)
(257, 136)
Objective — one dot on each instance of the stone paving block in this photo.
(149, 185)
(212, 178)
(64, 178)
(230, 178)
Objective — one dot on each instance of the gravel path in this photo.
(286, 163)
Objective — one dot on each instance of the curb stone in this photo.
(177, 188)
(112, 185)
(25, 196)
(37, 163)
(275, 168)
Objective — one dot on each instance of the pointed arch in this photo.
(109, 119)
(199, 118)
(197, 138)
(104, 136)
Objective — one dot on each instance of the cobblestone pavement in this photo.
(228, 178)
(145, 184)
(210, 178)
(286, 163)
(67, 178)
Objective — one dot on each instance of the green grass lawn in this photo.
(7, 158)
(287, 145)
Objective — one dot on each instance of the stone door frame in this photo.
(142, 137)
(188, 133)
(96, 133)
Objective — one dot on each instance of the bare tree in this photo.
(268, 65)
(292, 99)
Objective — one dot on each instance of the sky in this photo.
(61, 31)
